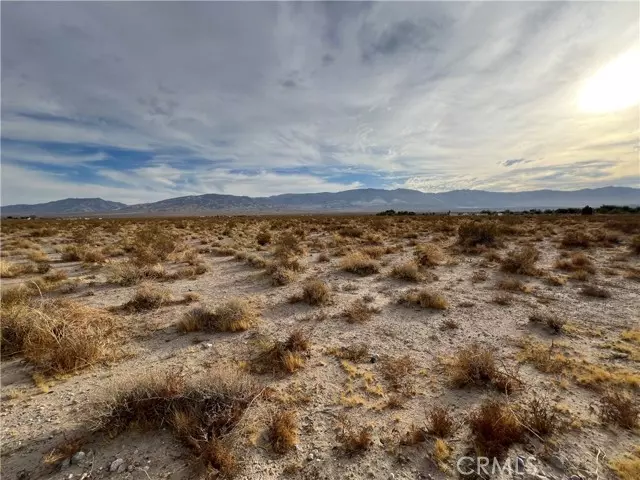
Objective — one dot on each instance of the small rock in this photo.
(310, 457)
(78, 457)
(519, 464)
(116, 464)
(130, 468)
(121, 468)
(575, 477)
(65, 463)
(207, 345)
(556, 461)
(374, 358)
(392, 476)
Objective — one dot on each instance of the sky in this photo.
(143, 101)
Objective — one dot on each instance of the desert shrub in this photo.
(359, 264)
(594, 291)
(397, 372)
(152, 244)
(71, 253)
(540, 417)
(495, 428)
(283, 431)
(373, 252)
(425, 298)
(38, 256)
(476, 365)
(263, 237)
(147, 297)
(575, 239)
(285, 356)
(429, 255)
(511, 284)
(478, 233)
(521, 262)
(635, 245)
(576, 262)
(281, 275)
(354, 440)
(203, 412)
(359, 312)
(552, 321)
(12, 270)
(406, 271)
(351, 231)
(58, 336)
(620, 408)
(440, 422)
(288, 245)
(236, 315)
(315, 292)
(502, 298)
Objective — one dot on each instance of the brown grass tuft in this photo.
(620, 408)
(283, 431)
(440, 422)
(495, 428)
(147, 297)
(521, 262)
(284, 356)
(59, 336)
(476, 365)
(425, 298)
(315, 292)
(406, 271)
(594, 291)
(359, 312)
(359, 264)
(429, 255)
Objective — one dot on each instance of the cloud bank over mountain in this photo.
(141, 101)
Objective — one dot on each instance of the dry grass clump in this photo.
(476, 365)
(205, 412)
(440, 422)
(620, 408)
(354, 440)
(263, 237)
(545, 359)
(281, 275)
(578, 262)
(634, 245)
(12, 270)
(552, 321)
(314, 292)
(429, 255)
(406, 271)
(359, 312)
(425, 298)
(502, 298)
(495, 427)
(354, 353)
(512, 284)
(38, 256)
(374, 252)
(284, 356)
(397, 372)
(575, 239)
(283, 431)
(540, 417)
(58, 336)
(236, 315)
(627, 467)
(359, 264)
(288, 245)
(522, 261)
(473, 234)
(147, 297)
(152, 244)
(595, 291)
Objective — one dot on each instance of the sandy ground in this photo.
(35, 418)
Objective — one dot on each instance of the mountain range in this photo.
(359, 200)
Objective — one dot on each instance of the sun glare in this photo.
(614, 87)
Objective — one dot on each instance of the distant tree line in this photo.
(586, 210)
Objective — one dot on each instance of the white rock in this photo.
(116, 464)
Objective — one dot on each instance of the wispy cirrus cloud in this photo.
(147, 100)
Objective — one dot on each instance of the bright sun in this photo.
(614, 87)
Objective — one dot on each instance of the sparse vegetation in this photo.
(495, 427)
(359, 264)
(425, 298)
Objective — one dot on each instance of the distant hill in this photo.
(360, 200)
(64, 207)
